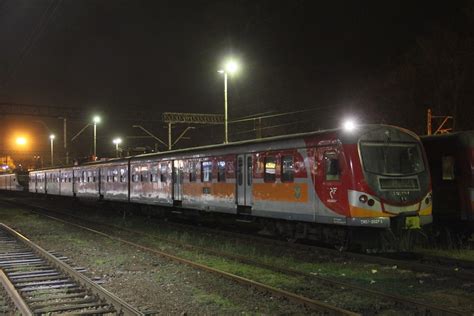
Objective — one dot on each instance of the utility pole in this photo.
(169, 136)
(428, 122)
(65, 139)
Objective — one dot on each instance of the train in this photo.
(451, 161)
(341, 186)
(17, 181)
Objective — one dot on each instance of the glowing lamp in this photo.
(21, 141)
(231, 66)
(96, 119)
(349, 125)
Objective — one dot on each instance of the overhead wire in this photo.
(48, 15)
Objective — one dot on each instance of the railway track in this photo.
(467, 265)
(39, 283)
(459, 269)
(409, 303)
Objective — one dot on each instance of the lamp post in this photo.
(117, 141)
(96, 121)
(230, 67)
(51, 138)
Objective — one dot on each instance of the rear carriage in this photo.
(11, 182)
(451, 161)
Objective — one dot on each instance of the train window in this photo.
(163, 172)
(192, 171)
(206, 171)
(331, 163)
(249, 170)
(270, 169)
(287, 169)
(448, 167)
(221, 171)
(240, 165)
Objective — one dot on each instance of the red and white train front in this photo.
(388, 183)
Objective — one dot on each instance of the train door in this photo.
(331, 163)
(244, 182)
(177, 181)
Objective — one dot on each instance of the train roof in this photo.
(347, 136)
(341, 132)
(463, 138)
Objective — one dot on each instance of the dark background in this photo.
(375, 61)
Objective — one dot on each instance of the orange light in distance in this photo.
(21, 141)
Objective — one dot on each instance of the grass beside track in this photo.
(461, 254)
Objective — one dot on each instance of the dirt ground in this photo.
(149, 282)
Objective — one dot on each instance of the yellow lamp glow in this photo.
(21, 141)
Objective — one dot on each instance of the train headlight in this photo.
(427, 201)
(370, 202)
(363, 198)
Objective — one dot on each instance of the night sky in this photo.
(159, 56)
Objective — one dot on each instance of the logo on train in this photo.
(332, 192)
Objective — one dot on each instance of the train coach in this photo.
(327, 185)
(12, 181)
(451, 161)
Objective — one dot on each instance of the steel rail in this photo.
(409, 302)
(462, 263)
(122, 307)
(13, 294)
(308, 302)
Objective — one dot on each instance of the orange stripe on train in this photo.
(283, 192)
(215, 189)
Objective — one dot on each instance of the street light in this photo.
(21, 141)
(349, 125)
(117, 141)
(96, 121)
(230, 67)
(51, 138)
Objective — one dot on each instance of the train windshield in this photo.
(391, 158)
